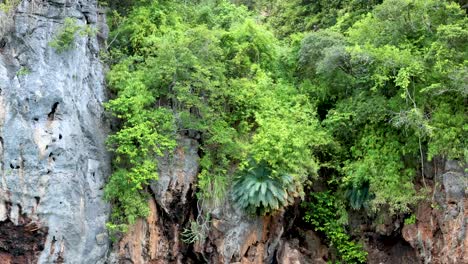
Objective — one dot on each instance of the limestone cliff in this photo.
(439, 235)
(52, 132)
(440, 232)
(54, 165)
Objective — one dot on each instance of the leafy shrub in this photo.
(322, 213)
(213, 70)
(65, 38)
(8, 5)
(359, 196)
(378, 161)
(23, 71)
(145, 134)
(259, 191)
(411, 220)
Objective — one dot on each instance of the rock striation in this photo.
(440, 232)
(52, 137)
(54, 164)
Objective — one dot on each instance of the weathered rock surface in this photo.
(54, 165)
(232, 237)
(21, 242)
(311, 250)
(52, 133)
(156, 239)
(238, 238)
(440, 232)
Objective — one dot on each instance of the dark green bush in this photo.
(322, 213)
(259, 191)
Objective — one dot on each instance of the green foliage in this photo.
(392, 95)
(7, 5)
(145, 134)
(213, 187)
(322, 213)
(23, 71)
(7, 12)
(288, 17)
(197, 230)
(358, 93)
(359, 196)
(450, 134)
(411, 220)
(378, 160)
(207, 68)
(259, 190)
(64, 40)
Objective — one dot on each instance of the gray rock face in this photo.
(235, 237)
(177, 175)
(52, 129)
(440, 232)
(230, 237)
(54, 164)
(156, 239)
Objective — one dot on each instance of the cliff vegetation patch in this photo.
(343, 101)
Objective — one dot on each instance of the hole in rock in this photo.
(51, 115)
(21, 243)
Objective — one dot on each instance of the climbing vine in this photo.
(322, 212)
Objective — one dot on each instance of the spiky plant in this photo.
(258, 191)
(359, 196)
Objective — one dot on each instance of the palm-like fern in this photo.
(359, 196)
(259, 192)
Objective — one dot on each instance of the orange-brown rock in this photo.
(440, 233)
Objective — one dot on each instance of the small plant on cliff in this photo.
(8, 5)
(410, 220)
(259, 191)
(197, 230)
(7, 8)
(23, 71)
(65, 38)
(321, 212)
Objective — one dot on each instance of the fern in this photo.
(359, 196)
(260, 192)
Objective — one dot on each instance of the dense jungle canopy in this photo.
(338, 104)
